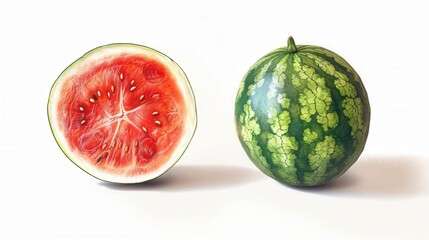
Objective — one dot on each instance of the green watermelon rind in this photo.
(254, 116)
(69, 67)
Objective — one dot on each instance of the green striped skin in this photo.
(302, 115)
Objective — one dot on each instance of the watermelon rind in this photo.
(302, 115)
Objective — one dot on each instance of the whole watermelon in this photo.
(302, 115)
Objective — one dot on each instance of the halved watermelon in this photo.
(123, 113)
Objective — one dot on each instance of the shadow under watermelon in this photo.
(379, 177)
(196, 177)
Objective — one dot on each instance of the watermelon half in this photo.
(123, 113)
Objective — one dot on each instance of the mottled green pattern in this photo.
(249, 129)
(320, 157)
(309, 136)
(302, 117)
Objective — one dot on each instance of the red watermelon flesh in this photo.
(123, 113)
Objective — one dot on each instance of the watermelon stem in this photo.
(291, 47)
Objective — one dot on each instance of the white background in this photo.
(215, 192)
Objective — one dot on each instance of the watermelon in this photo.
(123, 113)
(302, 115)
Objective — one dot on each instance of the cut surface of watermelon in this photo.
(123, 113)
